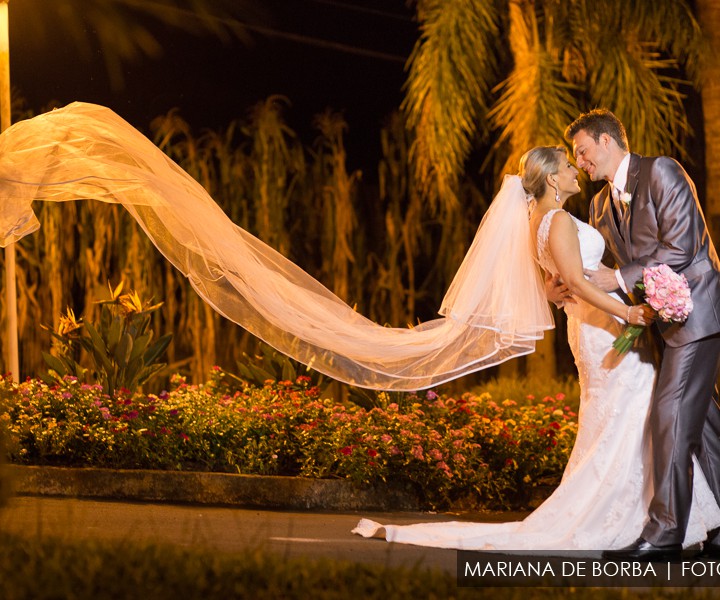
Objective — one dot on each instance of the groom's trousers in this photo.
(684, 420)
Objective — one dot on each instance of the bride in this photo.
(601, 502)
(494, 310)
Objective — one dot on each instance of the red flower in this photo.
(371, 452)
(347, 450)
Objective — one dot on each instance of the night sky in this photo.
(211, 82)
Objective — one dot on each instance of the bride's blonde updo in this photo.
(536, 165)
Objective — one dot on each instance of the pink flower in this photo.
(445, 469)
(417, 452)
(435, 454)
(668, 293)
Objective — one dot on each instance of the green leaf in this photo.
(114, 333)
(98, 349)
(123, 350)
(156, 350)
(55, 364)
(133, 375)
(260, 375)
(150, 371)
(288, 371)
(140, 346)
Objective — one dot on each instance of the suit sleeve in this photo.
(678, 218)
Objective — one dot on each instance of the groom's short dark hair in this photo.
(597, 122)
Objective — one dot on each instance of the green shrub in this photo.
(121, 346)
(469, 450)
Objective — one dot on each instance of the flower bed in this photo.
(467, 451)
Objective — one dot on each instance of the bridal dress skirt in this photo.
(602, 500)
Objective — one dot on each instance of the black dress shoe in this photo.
(711, 546)
(642, 550)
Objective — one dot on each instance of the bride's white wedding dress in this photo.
(602, 500)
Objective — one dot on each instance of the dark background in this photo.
(347, 55)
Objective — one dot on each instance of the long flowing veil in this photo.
(494, 310)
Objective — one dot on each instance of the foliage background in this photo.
(486, 80)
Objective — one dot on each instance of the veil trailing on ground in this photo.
(494, 310)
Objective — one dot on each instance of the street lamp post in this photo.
(5, 117)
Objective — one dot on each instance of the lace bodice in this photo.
(592, 245)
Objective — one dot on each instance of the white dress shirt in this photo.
(619, 182)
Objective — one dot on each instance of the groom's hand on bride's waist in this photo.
(604, 278)
(557, 292)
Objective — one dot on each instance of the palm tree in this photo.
(504, 76)
(709, 16)
(565, 57)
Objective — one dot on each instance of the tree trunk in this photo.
(709, 16)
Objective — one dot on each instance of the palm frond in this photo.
(672, 28)
(632, 84)
(536, 102)
(451, 73)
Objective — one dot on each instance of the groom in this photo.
(648, 214)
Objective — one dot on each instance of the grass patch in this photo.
(48, 568)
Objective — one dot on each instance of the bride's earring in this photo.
(556, 187)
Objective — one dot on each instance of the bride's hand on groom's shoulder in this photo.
(557, 292)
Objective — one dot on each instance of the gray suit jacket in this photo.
(663, 224)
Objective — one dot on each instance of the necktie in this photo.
(619, 205)
(618, 208)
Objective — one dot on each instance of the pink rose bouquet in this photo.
(667, 293)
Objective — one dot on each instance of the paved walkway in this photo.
(221, 529)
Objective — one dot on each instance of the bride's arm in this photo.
(565, 251)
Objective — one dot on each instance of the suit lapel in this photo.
(609, 213)
(630, 187)
(609, 226)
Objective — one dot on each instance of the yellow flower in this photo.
(115, 293)
(68, 323)
(131, 302)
